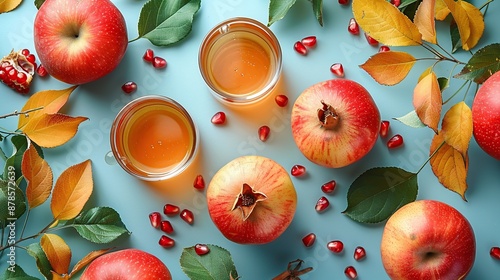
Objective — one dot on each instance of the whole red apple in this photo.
(79, 41)
(335, 122)
(127, 264)
(251, 200)
(486, 116)
(428, 239)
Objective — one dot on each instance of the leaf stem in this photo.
(16, 113)
(430, 157)
(3, 247)
(456, 92)
(25, 221)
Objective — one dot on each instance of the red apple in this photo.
(79, 41)
(127, 264)
(427, 239)
(335, 122)
(251, 200)
(486, 116)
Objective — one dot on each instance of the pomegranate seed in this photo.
(495, 252)
(41, 71)
(31, 58)
(281, 100)
(129, 87)
(201, 249)
(149, 56)
(199, 182)
(329, 187)
(353, 27)
(298, 170)
(25, 52)
(309, 239)
(155, 219)
(166, 242)
(384, 128)
(300, 48)
(12, 74)
(370, 40)
(337, 69)
(359, 253)
(219, 118)
(21, 78)
(384, 49)
(309, 41)
(343, 2)
(187, 216)
(395, 141)
(159, 62)
(396, 2)
(170, 209)
(166, 227)
(264, 133)
(322, 204)
(336, 246)
(351, 272)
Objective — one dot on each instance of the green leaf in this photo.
(318, 10)
(164, 22)
(12, 202)
(379, 192)
(444, 83)
(278, 9)
(216, 265)
(411, 119)
(19, 146)
(482, 64)
(42, 263)
(99, 225)
(409, 7)
(38, 3)
(456, 41)
(15, 272)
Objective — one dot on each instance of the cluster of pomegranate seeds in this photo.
(384, 49)
(187, 216)
(384, 128)
(201, 249)
(322, 204)
(353, 27)
(337, 69)
(17, 70)
(156, 61)
(166, 242)
(281, 100)
(350, 272)
(219, 118)
(171, 209)
(329, 186)
(264, 132)
(129, 87)
(370, 40)
(395, 141)
(166, 226)
(495, 252)
(359, 253)
(298, 170)
(335, 246)
(302, 46)
(199, 182)
(309, 239)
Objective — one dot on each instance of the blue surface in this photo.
(134, 199)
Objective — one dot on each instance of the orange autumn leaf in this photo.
(9, 5)
(71, 191)
(424, 20)
(427, 101)
(87, 259)
(386, 23)
(56, 276)
(389, 68)
(57, 251)
(441, 11)
(48, 102)
(476, 24)
(449, 165)
(457, 127)
(38, 174)
(462, 20)
(52, 130)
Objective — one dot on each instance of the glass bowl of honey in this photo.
(154, 138)
(240, 60)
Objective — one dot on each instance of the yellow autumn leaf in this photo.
(87, 259)
(461, 18)
(71, 191)
(57, 251)
(427, 101)
(424, 20)
(389, 68)
(9, 5)
(449, 166)
(424, 74)
(476, 25)
(457, 127)
(52, 130)
(38, 174)
(50, 102)
(441, 11)
(386, 23)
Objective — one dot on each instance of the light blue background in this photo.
(134, 199)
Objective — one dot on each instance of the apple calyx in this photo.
(247, 199)
(327, 116)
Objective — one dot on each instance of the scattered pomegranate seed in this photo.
(337, 69)
(359, 253)
(336, 246)
(396, 2)
(199, 182)
(384, 49)
(41, 71)
(395, 141)
(129, 87)
(149, 56)
(166, 227)
(166, 242)
(298, 170)
(264, 133)
(201, 249)
(384, 128)
(300, 48)
(25, 52)
(322, 204)
(309, 41)
(343, 2)
(159, 62)
(329, 186)
(281, 100)
(370, 40)
(170, 209)
(309, 239)
(495, 252)
(351, 272)
(187, 216)
(353, 27)
(219, 118)
(155, 219)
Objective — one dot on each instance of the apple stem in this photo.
(293, 272)
(327, 116)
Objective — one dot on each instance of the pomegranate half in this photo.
(251, 200)
(335, 122)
